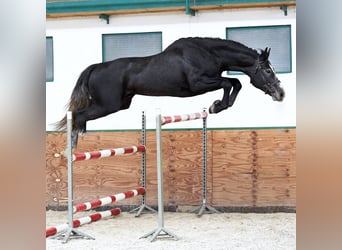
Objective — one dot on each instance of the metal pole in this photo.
(160, 173)
(70, 173)
(143, 155)
(143, 170)
(204, 158)
(160, 231)
(71, 230)
(204, 207)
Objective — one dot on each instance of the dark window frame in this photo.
(131, 33)
(49, 78)
(267, 27)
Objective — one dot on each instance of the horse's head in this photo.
(264, 77)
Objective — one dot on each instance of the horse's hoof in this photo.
(212, 109)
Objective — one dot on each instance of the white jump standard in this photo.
(204, 207)
(161, 230)
(143, 207)
(161, 120)
(71, 231)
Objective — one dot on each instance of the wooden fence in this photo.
(246, 168)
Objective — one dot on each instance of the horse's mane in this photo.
(223, 42)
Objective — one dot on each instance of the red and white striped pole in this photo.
(81, 221)
(181, 118)
(107, 153)
(107, 200)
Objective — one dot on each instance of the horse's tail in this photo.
(80, 97)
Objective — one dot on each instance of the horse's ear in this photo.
(265, 54)
(268, 50)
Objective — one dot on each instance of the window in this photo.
(130, 45)
(278, 38)
(49, 60)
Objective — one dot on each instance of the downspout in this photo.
(188, 10)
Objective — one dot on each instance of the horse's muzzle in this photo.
(278, 94)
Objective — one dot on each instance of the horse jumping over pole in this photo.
(70, 228)
(188, 67)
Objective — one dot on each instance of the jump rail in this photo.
(182, 118)
(107, 153)
(162, 120)
(71, 230)
(107, 200)
(81, 221)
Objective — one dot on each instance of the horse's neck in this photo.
(237, 57)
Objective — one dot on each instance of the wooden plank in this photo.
(232, 165)
(276, 191)
(242, 161)
(276, 153)
(95, 178)
(233, 190)
(56, 170)
(184, 167)
(245, 167)
(93, 141)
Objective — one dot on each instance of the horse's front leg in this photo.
(236, 89)
(229, 96)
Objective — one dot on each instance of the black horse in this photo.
(188, 67)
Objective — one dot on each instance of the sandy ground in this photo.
(210, 231)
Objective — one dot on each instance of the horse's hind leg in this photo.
(91, 113)
(74, 139)
(79, 127)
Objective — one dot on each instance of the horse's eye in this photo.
(268, 71)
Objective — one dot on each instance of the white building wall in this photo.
(77, 43)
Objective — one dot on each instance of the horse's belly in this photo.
(162, 89)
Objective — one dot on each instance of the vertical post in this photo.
(159, 172)
(204, 207)
(204, 158)
(188, 10)
(143, 170)
(143, 155)
(160, 231)
(71, 230)
(70, 181)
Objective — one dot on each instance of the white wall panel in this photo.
(77, 44)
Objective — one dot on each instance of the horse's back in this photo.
(168, 73)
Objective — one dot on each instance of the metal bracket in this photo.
(188, 10)
(104, 17)
(283, 7)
